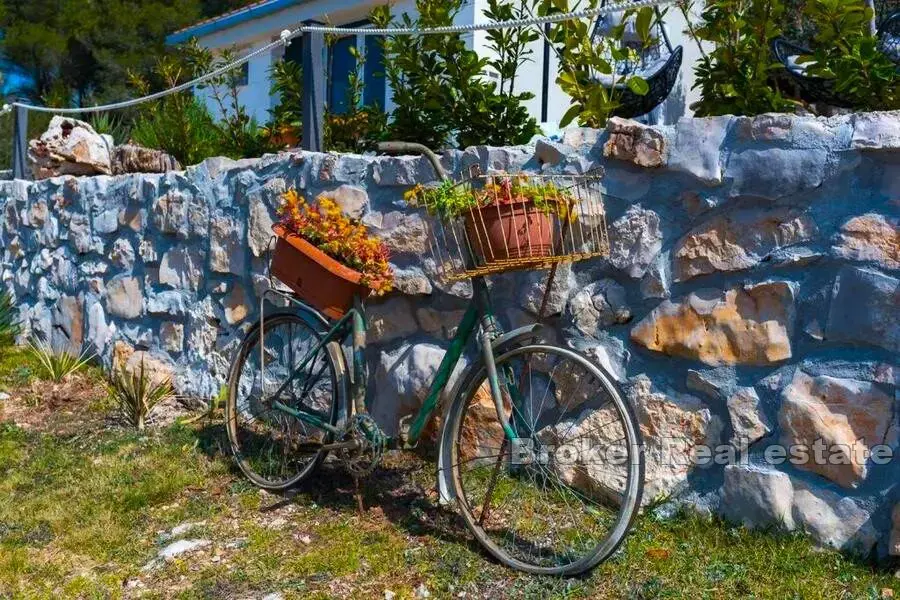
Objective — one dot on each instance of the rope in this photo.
(287, 35)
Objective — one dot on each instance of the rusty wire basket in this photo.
(502, 222)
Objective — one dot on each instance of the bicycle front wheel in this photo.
(560, 496)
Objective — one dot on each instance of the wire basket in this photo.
(502, 222)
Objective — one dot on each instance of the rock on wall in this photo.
(751, 298)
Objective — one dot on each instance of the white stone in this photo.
(758, 498)
(635, 240)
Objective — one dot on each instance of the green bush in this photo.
(582, 58)
(181, 124)
(844, 51)
(736, 76)
(440, 94)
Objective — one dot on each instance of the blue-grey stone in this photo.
(864, 309)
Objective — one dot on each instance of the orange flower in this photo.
(324, 225)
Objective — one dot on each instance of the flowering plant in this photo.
(449, 200)
(325, 226)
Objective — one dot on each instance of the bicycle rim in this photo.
(561, 497)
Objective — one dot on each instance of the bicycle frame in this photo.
(352, 324)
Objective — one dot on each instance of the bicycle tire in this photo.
(630, 501)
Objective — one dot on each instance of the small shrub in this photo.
(845, 51)
(180, 124)
(135, 394)
(582, 58)
(57, 366)
(9, 320)
(738, 75)
(286, 79)
(361, 127)
(115, 125)
(440, 94)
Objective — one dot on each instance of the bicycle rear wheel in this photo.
(275, 450)
(561, 496)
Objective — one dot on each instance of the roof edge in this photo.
(228, 20)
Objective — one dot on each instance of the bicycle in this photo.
(503, 445)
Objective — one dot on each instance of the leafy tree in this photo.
(83, 50)
(846, 52)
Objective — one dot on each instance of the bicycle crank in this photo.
(367, 449)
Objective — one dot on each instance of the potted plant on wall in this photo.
(327, 258)
(505, 217)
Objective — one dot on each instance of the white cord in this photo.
(286, 36)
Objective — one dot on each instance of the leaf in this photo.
(574, 111)
(642, 23)
(638, 85)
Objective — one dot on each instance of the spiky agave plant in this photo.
(9, 320)
(57, 366)
(136, 394)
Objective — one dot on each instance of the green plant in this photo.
(240, 135)
(499, 117)
(583, 58)
(845, 52)
(116, 126)
(286, 79)
(57, 366)
(9, 320)
(449, 200)
(135, 393)
(361, 127)
(179, 124)
(440, 94)
(737, 75)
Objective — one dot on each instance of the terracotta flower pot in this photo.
(319, 280)
(510, 231)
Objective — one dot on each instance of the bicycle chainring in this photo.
(361, 461)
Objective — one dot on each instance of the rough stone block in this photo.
(124, 297)
(864, 309)
(846, 417)
(871, 238)
(749, 325)
(739, 240)
(757, 497)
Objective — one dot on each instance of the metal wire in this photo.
(287, 35)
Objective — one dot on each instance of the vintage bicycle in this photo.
(538, 449)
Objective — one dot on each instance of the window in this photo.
(243, 77)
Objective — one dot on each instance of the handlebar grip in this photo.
(396, 148)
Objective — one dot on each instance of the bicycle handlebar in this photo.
(396, 148)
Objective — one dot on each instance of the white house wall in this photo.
(258, 32)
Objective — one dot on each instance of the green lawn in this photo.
(83, 510)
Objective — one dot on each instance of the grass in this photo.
(82, 513)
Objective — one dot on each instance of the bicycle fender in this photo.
(471, 375)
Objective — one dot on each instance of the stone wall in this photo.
(751, 296)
